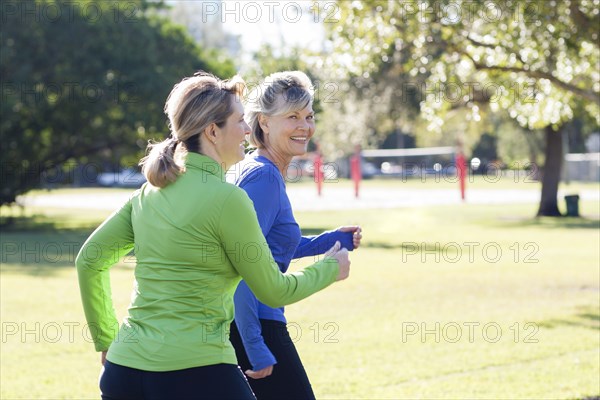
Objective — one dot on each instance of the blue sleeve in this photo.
(315, 245)
(263, 189)
(246, 319)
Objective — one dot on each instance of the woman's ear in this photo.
(210, 133)
(263, 121)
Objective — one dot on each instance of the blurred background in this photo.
(501, 95)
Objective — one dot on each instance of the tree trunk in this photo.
(551, 174)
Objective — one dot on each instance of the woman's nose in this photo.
(303, 125)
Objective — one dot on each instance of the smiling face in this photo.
(231, 138)
(287, 135)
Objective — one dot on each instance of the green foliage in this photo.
(536, 60)
(486, 148)
(367, 105)
(85, 81)
(518, 146)
(267, 60)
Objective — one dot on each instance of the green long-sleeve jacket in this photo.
(193, 240)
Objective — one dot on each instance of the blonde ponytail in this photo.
(193, 104)
(160, 166)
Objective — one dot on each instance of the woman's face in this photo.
(288, 134)
(232, 136)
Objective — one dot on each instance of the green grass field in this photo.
(453, 302)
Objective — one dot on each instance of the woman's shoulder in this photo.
(258, 170)
(235, 198)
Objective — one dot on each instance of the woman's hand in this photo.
(356, 234)
(262, 373)
(342, 258)
(103, 357)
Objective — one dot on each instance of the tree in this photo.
(83, 81)
(536, 60)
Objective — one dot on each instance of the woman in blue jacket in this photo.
(282, 122)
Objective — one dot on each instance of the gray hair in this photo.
(280, 93)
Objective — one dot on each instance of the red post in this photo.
(318, 172)
(461, 170)
(355, 170)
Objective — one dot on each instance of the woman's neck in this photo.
(210, 152)
(282, 162)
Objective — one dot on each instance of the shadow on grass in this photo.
(46, 219)
(548, 222)
(313, 231)
(587, 317)
(16, 224)
(40, 246)
(364, 244)
(413, 248)
(384, 245)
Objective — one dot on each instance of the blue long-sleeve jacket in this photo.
(265, 186)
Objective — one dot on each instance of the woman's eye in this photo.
(311, 117)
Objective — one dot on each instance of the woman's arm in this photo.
(104, 248)
(263, 189)
(315, 245)
(248, 324)
(249, 253)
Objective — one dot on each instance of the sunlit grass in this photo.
(431, 310)
(419, 320)
(489, 181)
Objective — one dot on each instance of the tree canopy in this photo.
(83, 80)
(537, 61)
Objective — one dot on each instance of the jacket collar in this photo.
(204, 163)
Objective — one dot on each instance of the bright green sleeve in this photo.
(249, 253)
(104, 248)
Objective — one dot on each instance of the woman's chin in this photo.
(301, 152)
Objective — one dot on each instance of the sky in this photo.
(280, 23)
(277, 22)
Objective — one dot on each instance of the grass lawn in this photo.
(490, 181)
(449, 302)
(493, 180)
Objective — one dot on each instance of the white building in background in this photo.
(592, 144)
(584, 166)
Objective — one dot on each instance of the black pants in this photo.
(289, 379)
(220, 381)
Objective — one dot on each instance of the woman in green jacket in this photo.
(194, 236)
